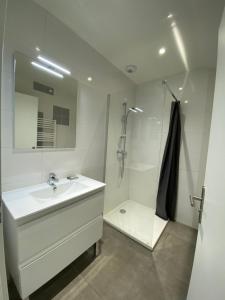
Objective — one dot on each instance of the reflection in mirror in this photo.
(45, 106)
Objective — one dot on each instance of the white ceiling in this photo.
(132, 31)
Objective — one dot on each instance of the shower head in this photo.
(132, 109)
(135, 109)
(139, 109)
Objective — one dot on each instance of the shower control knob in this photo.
(121, 152)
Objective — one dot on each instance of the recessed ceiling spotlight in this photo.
(180, 88)
(162, 51)
(170, 16)
(131, 69)
(89, 79)
(37, 49)
(186, 101)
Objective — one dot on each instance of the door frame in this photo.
(3, 278)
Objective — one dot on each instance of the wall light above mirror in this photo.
(45, 105)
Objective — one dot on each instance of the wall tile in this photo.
(20, 169)
(7, 129)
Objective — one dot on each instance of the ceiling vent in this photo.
(131, 69)
(37, 86)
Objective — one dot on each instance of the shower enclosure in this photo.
(136, 139)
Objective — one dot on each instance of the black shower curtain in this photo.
(168, 180)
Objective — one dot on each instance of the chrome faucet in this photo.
(52, 179)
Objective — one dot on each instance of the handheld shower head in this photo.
(132, 109)
(135, 109)
(139, 109)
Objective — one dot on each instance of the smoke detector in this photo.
(131, 69)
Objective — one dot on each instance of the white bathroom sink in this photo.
(27, 203)
(47, 194)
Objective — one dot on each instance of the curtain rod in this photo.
(164, 82)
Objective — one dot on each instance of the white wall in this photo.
(29, 26)
(26, 117)
(150, 131)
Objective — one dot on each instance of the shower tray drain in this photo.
(123, 211)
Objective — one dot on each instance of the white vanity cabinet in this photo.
(40, 247)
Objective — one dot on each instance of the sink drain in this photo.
(123, 211)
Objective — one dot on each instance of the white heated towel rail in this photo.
(46, 135)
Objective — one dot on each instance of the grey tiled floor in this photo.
(126, 270)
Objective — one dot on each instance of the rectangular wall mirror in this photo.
(45, 107)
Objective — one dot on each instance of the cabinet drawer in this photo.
(36, 236)
(35, 274)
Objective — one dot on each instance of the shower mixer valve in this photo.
(122, 153)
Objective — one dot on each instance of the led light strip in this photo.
(46, 69)
(54, 65)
